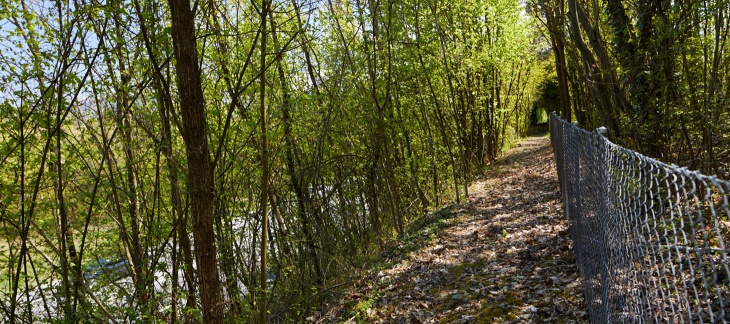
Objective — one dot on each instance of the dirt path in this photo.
(504, 257)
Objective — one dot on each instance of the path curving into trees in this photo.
(503, 257)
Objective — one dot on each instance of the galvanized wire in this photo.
(650, 239)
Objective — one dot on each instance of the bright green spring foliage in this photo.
(377, 112)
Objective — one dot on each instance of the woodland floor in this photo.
(503, 257)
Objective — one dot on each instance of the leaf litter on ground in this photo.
(502, 257)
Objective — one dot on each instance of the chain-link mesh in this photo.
(650, 239)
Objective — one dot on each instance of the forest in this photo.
(234, 161)
(655, 73)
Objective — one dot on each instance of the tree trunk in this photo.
(200, 175)
(264, 169)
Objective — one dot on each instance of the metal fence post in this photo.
(604, 214)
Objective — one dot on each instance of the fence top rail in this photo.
(667, 168)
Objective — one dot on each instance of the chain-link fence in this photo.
(650, 239)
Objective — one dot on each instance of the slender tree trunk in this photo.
(554, 15)
(431, 150)
(199, 164)
(138, 260)
(62, 227)
(264, 167)
(562, 71)
(179, 218)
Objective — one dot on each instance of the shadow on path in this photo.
(503, 257)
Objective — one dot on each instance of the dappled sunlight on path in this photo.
(504, 257)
